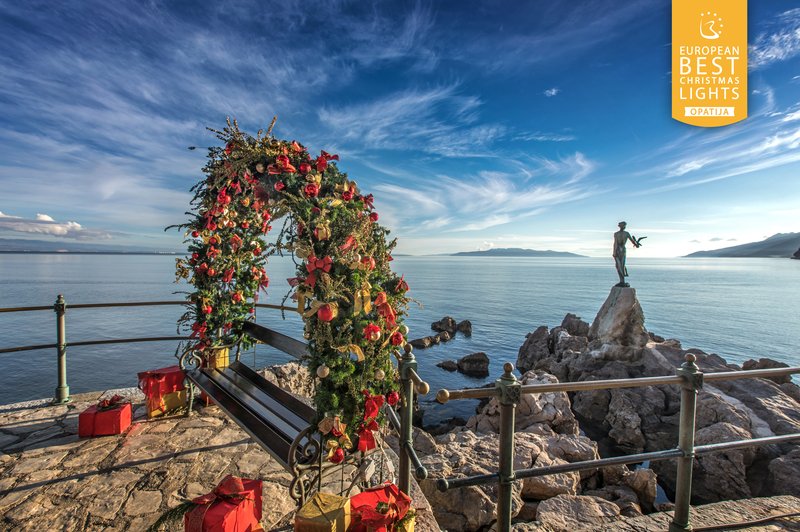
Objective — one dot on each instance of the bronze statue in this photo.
(621, 238)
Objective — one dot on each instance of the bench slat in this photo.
(297, 406)
(262, 403)
(265, 435)
(279, 341)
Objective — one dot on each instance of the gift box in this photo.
(156, 384)
(216, 358)
(171, 401)
(233, 506)
(99, 421)
(380, 509)
(323, 513)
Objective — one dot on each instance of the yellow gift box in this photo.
(169, 402)
(323, 513)
(217, 358)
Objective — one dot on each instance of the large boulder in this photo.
(474, 365)
(446, 324)
(464, 454)
(768, 363)
(535, 412)
(784, 473)
(544, 487)
(619, 325)
(574, 325)
(535, 349)
(570, 512)
(292, 377)
(464, 327)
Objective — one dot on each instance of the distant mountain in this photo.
(19, 245)
(515, 252)
(779, 245)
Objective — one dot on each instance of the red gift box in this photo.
(95, 421)
(367, 516)
(233, 506)
(156, 383)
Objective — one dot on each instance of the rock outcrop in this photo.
(474, 365)
(636, 420)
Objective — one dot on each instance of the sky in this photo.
(475, 124)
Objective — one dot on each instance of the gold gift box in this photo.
(217, 358)
(323, 513)
(171, 401)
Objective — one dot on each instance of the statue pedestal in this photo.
(620, 324)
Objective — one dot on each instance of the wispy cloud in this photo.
(437, 120)
(551, 92)
(782, 42)
(540, 136)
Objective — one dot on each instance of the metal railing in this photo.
(60, 308)
(410, 380)
(509, 390)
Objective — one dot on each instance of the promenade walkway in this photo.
(50, 479)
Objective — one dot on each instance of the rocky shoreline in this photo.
(555, 428)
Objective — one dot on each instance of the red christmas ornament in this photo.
(392, 398)
(347, 195)
(338, 456)
(397, 338)
(326, 313)
(279, 186)
(373, 216)
(311, 190)
(195, 234)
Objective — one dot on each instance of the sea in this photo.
(737, 308)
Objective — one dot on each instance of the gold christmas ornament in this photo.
(323, 371)
(380, 374)
(404, 330)
(260, 168)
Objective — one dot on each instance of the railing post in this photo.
(692, 383)
(407, 363)
(509, 394)
(62, 390)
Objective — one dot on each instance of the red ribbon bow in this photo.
(230, 488)
(372, 405)
(108, 404)
(314, 264)
(366, 438)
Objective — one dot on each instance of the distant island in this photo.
(515, 252)
(19, 245)
(781, 245)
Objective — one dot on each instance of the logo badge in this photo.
(709, 61)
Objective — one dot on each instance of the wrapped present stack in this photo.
(233, 506)
(324, 512)
(109, 416)
(164, 390)
(383, 508)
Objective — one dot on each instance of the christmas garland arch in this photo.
(351, 301)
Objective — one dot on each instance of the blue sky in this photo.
(476, 125)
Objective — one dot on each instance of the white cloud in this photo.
(551, 92)
(688, 166)
(45, 225)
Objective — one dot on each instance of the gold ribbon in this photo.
(347, 185)
(302, 251)
(362, 302)
(352, 348)
(314, 177)
(303, 292)
(389, 337)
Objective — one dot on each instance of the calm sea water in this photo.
(737, 308)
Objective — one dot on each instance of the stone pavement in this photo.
(50, 479)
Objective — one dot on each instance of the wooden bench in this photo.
(282, 424)
(279, 422)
